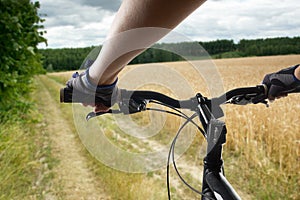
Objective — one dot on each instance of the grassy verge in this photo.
(25, 157)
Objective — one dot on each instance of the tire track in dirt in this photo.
(185, 167)
(73, 178)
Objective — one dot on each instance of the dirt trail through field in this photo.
(73, 178)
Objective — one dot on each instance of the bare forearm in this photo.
(152, 13)
(126, 38)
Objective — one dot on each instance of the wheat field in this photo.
(263, 146)
(262, 153)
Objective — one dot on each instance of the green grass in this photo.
(25, 157)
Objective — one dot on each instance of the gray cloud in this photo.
(67, 7)
(110, 5)
(71, 13)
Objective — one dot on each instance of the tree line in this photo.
(72, 58)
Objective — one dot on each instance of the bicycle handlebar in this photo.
(66, 96)
(136, 101)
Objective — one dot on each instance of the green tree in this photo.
(20, 34)
(66, 58)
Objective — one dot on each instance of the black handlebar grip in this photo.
(296, 90)
(66, 95)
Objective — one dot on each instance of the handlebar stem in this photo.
(213, 162)
(204, 110)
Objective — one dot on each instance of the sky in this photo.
(82, 23)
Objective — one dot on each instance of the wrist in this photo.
(108, 86)
(107, 81)
(94, 83)
(104, 81)
(297, 72)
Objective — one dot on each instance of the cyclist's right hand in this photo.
(100, 97)
(281, 82)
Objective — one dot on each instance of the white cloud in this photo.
(238, 19)
(80, 23)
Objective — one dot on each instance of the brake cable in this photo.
(188, 119)
(172, 148)
(171, 151)
(181, 114)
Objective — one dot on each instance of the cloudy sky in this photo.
(81, 23)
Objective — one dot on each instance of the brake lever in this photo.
(260, 99)
(96, 114)
(125, 107)
(239, 100)
(244, 100)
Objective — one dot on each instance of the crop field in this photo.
(261, 155)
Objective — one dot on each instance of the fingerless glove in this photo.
(89, 93)
(279, 83)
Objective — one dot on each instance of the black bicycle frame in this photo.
(214, 185)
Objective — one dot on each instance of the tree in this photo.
(19, 61)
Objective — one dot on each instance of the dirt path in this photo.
(73, 179)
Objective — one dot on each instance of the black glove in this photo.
(87, 93)
(282, 82)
